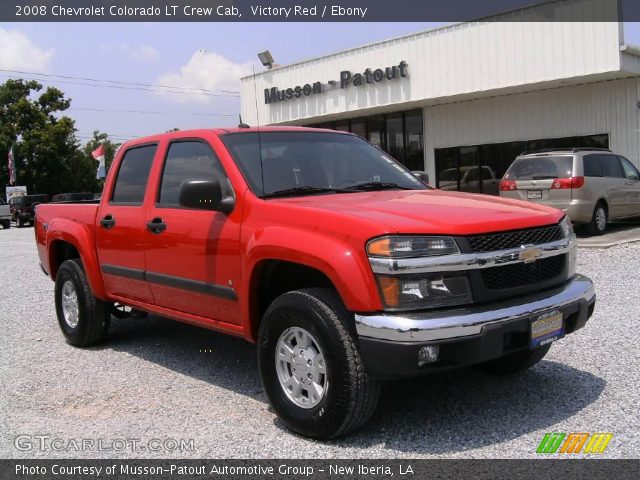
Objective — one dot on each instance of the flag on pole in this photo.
(11, 161)
(98, 154)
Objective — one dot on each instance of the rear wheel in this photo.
(84, 319)
(6, 224)
(310, 365)
(599, 220)
(515, 362)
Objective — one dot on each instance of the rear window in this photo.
(592, 166)
(540, 168)
(131, 182)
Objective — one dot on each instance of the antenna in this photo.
(242, 124)
(255, 94)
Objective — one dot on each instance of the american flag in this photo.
(12, 167)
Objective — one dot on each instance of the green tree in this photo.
(47, 153)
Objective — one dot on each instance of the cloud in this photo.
(205, 70)
(18, 52)
(139, 52)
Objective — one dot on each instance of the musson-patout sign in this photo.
(347, 79)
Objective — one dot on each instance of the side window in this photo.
(592, 166)
(611, 166)
(630, 171)
(131, 182)
(190, 160)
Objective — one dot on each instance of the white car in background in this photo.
(5, 214)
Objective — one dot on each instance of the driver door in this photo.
(192, 255)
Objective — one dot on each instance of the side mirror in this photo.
(422, 176)
(205, 195)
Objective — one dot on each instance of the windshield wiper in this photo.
(304, 190)
(376, 186)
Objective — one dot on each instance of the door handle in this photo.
(156, 225)
(108, 222)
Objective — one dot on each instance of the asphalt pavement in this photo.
(161, 389)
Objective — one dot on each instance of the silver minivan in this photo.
(592, 186)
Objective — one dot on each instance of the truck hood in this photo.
(425, 211)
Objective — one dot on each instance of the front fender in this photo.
(81, 236)
(345, 265)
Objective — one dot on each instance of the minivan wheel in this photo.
(84, 319)
(599, 220)
(310, 365)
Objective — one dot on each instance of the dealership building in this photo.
(474, 94)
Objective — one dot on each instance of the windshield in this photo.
(314, 162)
(540, 168)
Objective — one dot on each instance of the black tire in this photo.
(594, 227)
(515, 362)
(6, 224)
(94, 315)
(351, 396)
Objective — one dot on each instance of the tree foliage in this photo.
(47, 153)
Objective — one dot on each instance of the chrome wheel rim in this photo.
(301, 367)
(601, 218)
(70, 304)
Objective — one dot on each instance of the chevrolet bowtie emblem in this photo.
(529, 254)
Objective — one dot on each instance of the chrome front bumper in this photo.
(415, 327)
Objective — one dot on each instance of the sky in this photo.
(210, 56)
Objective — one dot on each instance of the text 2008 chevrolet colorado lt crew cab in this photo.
(340, 265)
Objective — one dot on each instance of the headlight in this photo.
(567, 228)
(404, 292)
(406, 246)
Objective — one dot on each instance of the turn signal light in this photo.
(570, 182)
(506, 185)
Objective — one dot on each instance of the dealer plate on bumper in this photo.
(546, 328)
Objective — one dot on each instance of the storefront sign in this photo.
(347, 79)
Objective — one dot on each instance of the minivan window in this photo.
(611, 166)
(630, 171)
(540, 168)
(192, 160)
(131, 182)
(592, 166)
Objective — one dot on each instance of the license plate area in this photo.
(546, 328)
(534, 194)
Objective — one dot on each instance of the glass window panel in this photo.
(376, 131)
(414, 140)
(395, 137)
(447, 168)
(359, 127)
(131, 182)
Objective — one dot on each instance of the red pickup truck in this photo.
(342, 266)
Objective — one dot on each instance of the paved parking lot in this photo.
(157, 379)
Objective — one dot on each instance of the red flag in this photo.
(98, 152)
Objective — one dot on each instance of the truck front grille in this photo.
(506, 240)
(521, 274)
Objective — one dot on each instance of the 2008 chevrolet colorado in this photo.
(341, 265)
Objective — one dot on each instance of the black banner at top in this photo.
(317, 10)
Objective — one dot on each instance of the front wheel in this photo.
(6, 224)
(515, 362)
(310, 365)
(84, 319)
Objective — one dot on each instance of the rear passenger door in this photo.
(631, 187)
(120, 229)
(614, 185)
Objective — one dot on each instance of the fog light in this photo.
(428, 354)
